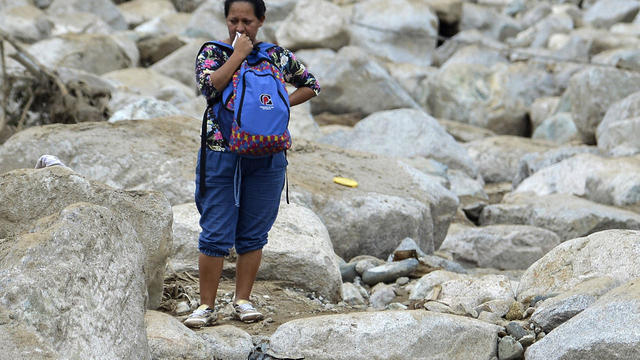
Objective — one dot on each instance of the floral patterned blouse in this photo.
(212, 57)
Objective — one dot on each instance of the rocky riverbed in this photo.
(497, 213)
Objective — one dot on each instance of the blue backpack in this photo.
(254, 112)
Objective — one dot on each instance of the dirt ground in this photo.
(279, 301)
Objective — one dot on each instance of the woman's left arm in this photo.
(296, 74)
(301, 95)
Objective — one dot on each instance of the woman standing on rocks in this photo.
(241, 195)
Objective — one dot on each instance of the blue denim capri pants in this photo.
(240, 203)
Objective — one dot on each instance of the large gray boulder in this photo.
(537, 35)
(415, 334)
(169, 24)
(554, 311)
(30, 195)
(26, 23)
(179, 65)
(531, 163)
(567, 215)
(170, 339)
(615, 132)
(414, 79)
(80, 23)
(609, 181)
(105, 9)
(496, 98)
(617, 139)
(558, 128)
(605, 13)
(228, 342)
(134, 82)
(499, 246)
(94, 53)
(392, 201)
(400, 31)
(356, 222)
(146, 109)
(497, 157)
(611, 253)
(138, 11)
(208, 21)
(350, 78)
(592, 91)
(404, 133)
(490, 21)
(606, 330)
(299, 249)
(463, 39)
(76, 277)
(314, 24)
(157, 154)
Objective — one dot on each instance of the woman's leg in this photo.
(246, 271)
(210, 270)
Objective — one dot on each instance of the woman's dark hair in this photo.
(258, 7)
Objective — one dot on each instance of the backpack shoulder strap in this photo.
(217, 43)
(263, 49)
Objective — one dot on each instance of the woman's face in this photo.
(242, 19)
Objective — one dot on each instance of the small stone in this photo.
(515, 311)
(539, 298)
(397, 306)
(516, 330)
(437, 307)
(364, 262)
(364, 265)
(441, 263)
(363, 291)
(403, 280)
(527, 340)
(529, 312)
(182, 308)
(509, 349)
(407, 244)
(351, 294)
(382, 297)
(489, 317)
(402, 292)
(348, 272)
(498, 307)
(540, 335)
(389, 272)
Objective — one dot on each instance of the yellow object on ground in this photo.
(345, 181)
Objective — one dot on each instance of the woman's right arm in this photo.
(213, 73)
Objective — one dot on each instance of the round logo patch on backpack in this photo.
(266, 102)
